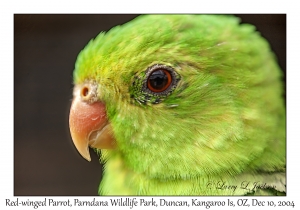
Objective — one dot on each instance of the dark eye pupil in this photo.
(158, 80)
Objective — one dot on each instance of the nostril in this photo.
(87, 92)
(84, 91)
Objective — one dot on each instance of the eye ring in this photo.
(159, 80)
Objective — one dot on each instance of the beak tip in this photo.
(85, 154)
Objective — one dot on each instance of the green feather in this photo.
(224, 120)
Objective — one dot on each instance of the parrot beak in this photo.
(89, 126)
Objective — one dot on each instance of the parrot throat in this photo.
(118, 179)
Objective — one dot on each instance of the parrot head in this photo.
(176, 96)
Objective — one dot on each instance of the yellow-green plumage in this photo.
(224, 122)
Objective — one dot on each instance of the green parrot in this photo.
(181, 105)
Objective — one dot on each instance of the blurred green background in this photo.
(45, 50)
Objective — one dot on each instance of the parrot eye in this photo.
(155, 84)
(159, 80)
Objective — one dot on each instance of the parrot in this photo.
(181, 105)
